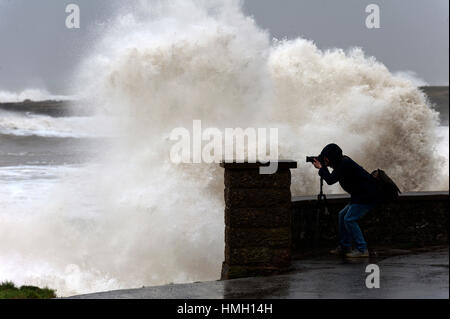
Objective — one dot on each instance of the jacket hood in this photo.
(334, 154)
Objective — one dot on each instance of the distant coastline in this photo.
(50, 107)
(438, 96)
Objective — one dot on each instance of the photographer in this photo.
(364, 196)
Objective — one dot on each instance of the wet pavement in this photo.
(418, 275)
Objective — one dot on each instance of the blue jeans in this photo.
(349, 230)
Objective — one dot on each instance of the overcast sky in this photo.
(37, 51)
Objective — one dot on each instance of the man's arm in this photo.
(330, 178)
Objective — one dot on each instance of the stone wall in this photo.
(257, 220)
(415, 220)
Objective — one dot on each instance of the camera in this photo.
(310, 159)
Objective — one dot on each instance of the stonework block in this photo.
(251, 197)
(252, 179)
(258, 256)
(258, 237)
(277, 216)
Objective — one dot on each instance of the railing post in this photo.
(257, 220)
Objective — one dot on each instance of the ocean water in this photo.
(94, 203)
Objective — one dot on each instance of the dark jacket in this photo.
(354, 179)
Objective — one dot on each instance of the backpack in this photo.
(386, 185)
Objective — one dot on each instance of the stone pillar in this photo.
(257, 220)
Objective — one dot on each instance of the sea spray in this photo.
(135, 218)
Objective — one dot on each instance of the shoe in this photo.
(356, 253)
(339, 251)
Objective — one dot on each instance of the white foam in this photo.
(21, 124)
(23, 187)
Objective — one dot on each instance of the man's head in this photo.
(331, 155)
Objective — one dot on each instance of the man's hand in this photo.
(317, 164)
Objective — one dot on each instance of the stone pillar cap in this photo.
(282, 164)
